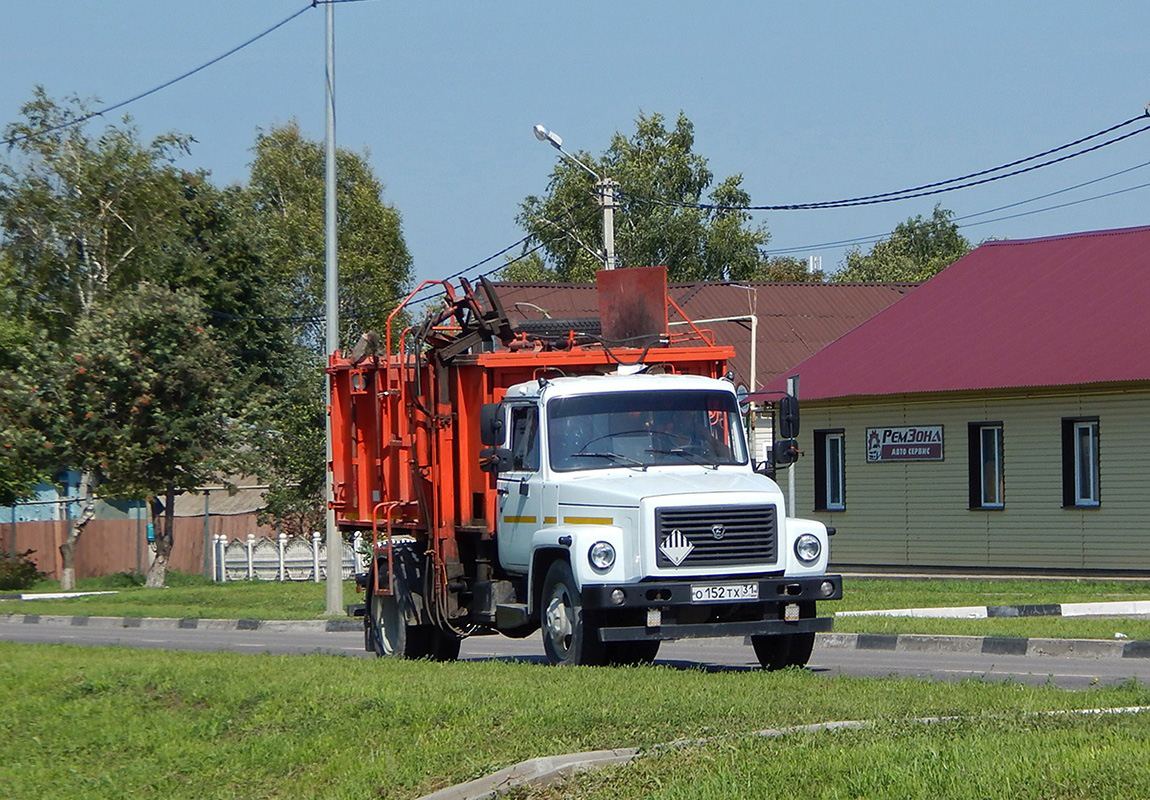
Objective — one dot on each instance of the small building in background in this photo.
(996, 417)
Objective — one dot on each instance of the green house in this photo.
(998, 417)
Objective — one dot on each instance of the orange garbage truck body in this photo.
(587, 478)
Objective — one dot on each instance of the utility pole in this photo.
(331, 338)
(607, 200)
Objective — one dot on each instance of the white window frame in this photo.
(994, 471)
(835, 460)
(1086, 464)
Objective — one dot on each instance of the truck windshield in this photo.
(644, 429)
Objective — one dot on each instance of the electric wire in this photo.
(924, 190)
(107, 109)
(1056, 192)
(878, 237)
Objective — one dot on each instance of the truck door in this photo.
(520, 490)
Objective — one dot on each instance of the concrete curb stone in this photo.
(902, 642)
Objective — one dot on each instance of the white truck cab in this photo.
(631, 505)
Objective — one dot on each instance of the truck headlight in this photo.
(808, 548)
(601, 555)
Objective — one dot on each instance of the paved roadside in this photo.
(903, 642)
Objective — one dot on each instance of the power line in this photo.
(85, 117)
(878, 237)
(927, 189)
(1056, 192)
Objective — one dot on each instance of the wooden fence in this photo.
(111, 546)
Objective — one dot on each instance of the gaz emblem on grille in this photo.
(676, 547)
(718, 531)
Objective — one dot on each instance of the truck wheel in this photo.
(386, 631)
(569, 638)
(788, 650)
(389, 636)
(631, 654)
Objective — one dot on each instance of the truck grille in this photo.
(717, 535)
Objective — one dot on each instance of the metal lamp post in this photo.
(334, 584)
(606, 187)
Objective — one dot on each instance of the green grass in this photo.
(96, 723)
(1011, 757)
(878, 593)
(193, 596)
(862, 594)
(187, 596)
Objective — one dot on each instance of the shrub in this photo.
(19, 572)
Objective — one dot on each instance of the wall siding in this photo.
(916, 513)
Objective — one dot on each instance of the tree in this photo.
(84, 219)
(286, 199)
(917, 250)
(658, 221)
(82, 216)
(148, 406)
(28, 422)
(786, 269)
(285, 214)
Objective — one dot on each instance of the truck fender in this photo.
(797, 527)
(572, 543)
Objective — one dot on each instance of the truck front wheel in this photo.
(788, 650)
(569, 637)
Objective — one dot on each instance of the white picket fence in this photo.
(301, 558)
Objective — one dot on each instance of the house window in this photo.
(830, 471)
(987, 487)
(1080, 472)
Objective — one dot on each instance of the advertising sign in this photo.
(911, 443)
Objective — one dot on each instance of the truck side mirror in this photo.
(785, 452)
(495, 459)
(788, 416)
(491, 429)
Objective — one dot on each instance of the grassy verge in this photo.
(191, 596)
(112, 723)
(876, 593)
(862, 594)
(188, 596)
(1010, 757)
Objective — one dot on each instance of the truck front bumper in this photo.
(663, 593)
(663, 609)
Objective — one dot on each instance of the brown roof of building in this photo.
(794, 320)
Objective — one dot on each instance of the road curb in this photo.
(1113, 609)
(171, 623)
(542, 771)
(994, 645)
(901, 642)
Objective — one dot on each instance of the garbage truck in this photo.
(588, 479)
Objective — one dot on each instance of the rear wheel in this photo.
(788, 650)
(569, 637)
(389, 635)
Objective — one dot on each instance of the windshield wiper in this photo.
(614, 457)
(694, 458)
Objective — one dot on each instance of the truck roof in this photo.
(615, 382)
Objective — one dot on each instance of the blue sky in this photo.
(807, 101)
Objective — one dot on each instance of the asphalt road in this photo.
(1073, 672)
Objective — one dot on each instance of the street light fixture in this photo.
(606, 188)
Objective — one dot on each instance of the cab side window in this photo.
(525, 438)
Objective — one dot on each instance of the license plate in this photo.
(723, 592)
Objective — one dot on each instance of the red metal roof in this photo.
(795, 320)
(1058, 311)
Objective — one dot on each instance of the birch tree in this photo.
(84, 215)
